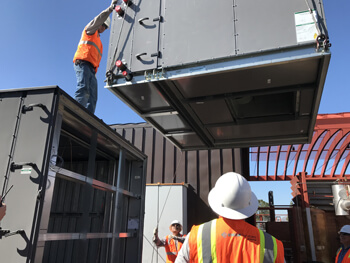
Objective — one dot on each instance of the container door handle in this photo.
(138, 56)
(142, 19)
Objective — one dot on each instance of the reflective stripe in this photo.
(199, 244)
(262, 246)
(91, 43)
(206, 243)
(270, 246)
(171, 253)
(274, 248)
(213, 241)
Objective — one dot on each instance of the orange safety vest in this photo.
(346, 258)
(225, 240)
(171, 249)
(90, 49)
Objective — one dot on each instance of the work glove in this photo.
(155, 231)
(114, 3)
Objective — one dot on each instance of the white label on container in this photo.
(305, 26)
(26, 170)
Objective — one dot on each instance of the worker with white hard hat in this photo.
(172, 243)
(229, 238)
(88, 56)
(343, 253)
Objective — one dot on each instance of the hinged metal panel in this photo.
(197, 31)
(264, 25)
(145, 47)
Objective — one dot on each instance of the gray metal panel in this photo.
(9, 109)
(121, 36)
(130, 38)
(146, 36)
(22, 200)
(164, 203)
(251, 79)
(264, 25)
(146, 97)
(197, 31)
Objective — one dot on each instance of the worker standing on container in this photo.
(343, 253)
(172, 243)
(229, 238)
(87, 58)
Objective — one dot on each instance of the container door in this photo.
(144, 55)
(30, 130)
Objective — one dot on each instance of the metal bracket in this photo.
(155, 74)
(159, 18)
(322, 42)
(31, 106)
(3, 232)
(156, 54)
(16, 166)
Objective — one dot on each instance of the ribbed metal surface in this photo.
(167, 164)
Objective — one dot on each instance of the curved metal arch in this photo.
(330, 141)
(313, 144)
(336, 135)
(342, 149)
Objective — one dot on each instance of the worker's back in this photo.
(236, 241)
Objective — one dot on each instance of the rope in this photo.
(166, 200)
(120, 32)
(313, 18)
(149, 242)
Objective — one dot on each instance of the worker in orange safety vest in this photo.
(229, 238)
(343, 253)
(172, 243)
(87, 58)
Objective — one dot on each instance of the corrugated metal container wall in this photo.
(167, 164)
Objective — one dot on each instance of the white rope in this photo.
(166, 199)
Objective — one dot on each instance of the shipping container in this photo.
(76, 188)
(236, 73)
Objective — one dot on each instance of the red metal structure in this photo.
(325, 158)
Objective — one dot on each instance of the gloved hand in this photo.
(155, 231)
(114, 3)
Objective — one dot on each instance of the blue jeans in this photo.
(86, 93)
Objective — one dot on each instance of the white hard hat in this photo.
(345, 229)
(107, 22)
(232, 197)
(175, 222)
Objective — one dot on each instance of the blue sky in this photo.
(39, 39)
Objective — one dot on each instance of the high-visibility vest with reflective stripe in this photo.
(89, 49)
(346, 258)
(217, 242)
(171, 249)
